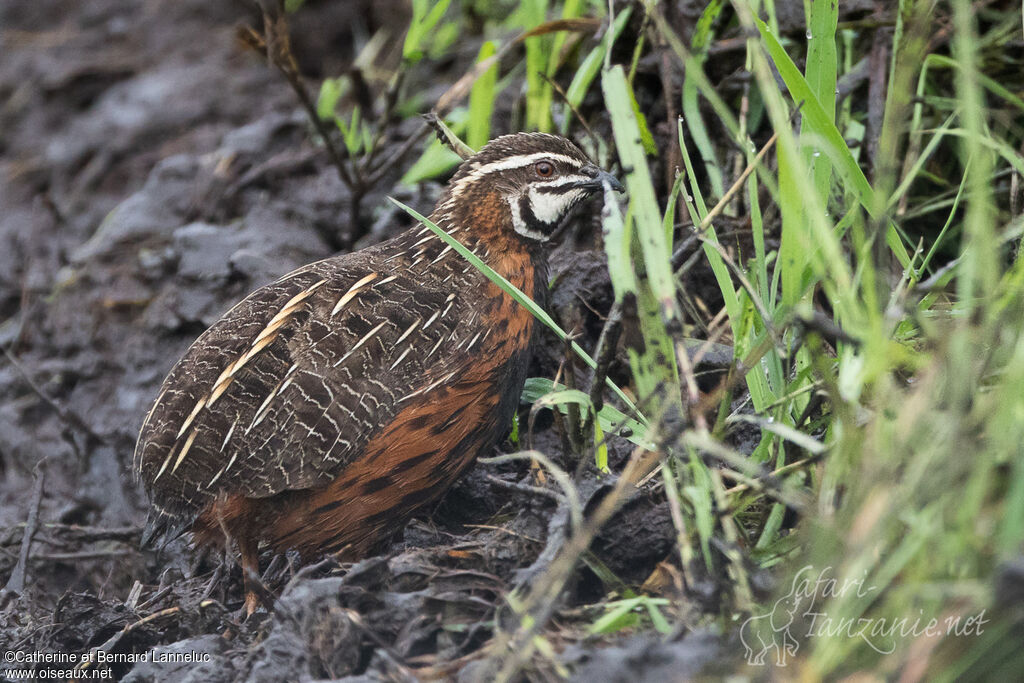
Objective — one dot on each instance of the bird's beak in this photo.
(599, 178)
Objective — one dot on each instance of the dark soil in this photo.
(153, 173)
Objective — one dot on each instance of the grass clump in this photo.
(854, 197)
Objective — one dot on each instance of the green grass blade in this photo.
(423, 22)
(832, 141)
(591, 66)
(538, 114)
(626, 128)
(481, 100)
(690, 104)
(609, 417)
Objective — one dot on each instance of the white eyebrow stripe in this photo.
(522, 160)
(565, 180)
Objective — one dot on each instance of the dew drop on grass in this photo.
(809, 36)
(817, 153)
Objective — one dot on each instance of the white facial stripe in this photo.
(523, 160)
(549, 207)
(519, 161)
(511, 163)
(520, 225)
(566, 180)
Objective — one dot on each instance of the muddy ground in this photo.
(153, 173)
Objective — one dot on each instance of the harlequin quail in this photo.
(320, 412)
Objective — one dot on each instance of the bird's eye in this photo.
(545, 169)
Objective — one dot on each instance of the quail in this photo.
(325, 408)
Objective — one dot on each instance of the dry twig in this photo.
(16, 584)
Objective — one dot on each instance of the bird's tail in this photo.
(162, 528)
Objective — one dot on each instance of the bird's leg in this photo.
(248, 547)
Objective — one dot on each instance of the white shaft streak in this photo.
(358, 344)
(352, 292)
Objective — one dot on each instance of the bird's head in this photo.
(540, 177)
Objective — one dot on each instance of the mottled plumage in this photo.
(320, 412)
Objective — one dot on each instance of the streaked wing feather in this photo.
(300, 408)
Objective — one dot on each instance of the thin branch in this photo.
(276, 45)
(447, 136)
(604, 354)
(16, 584)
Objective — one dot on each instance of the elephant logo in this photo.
(766, 632)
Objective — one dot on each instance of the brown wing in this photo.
(288, 387)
